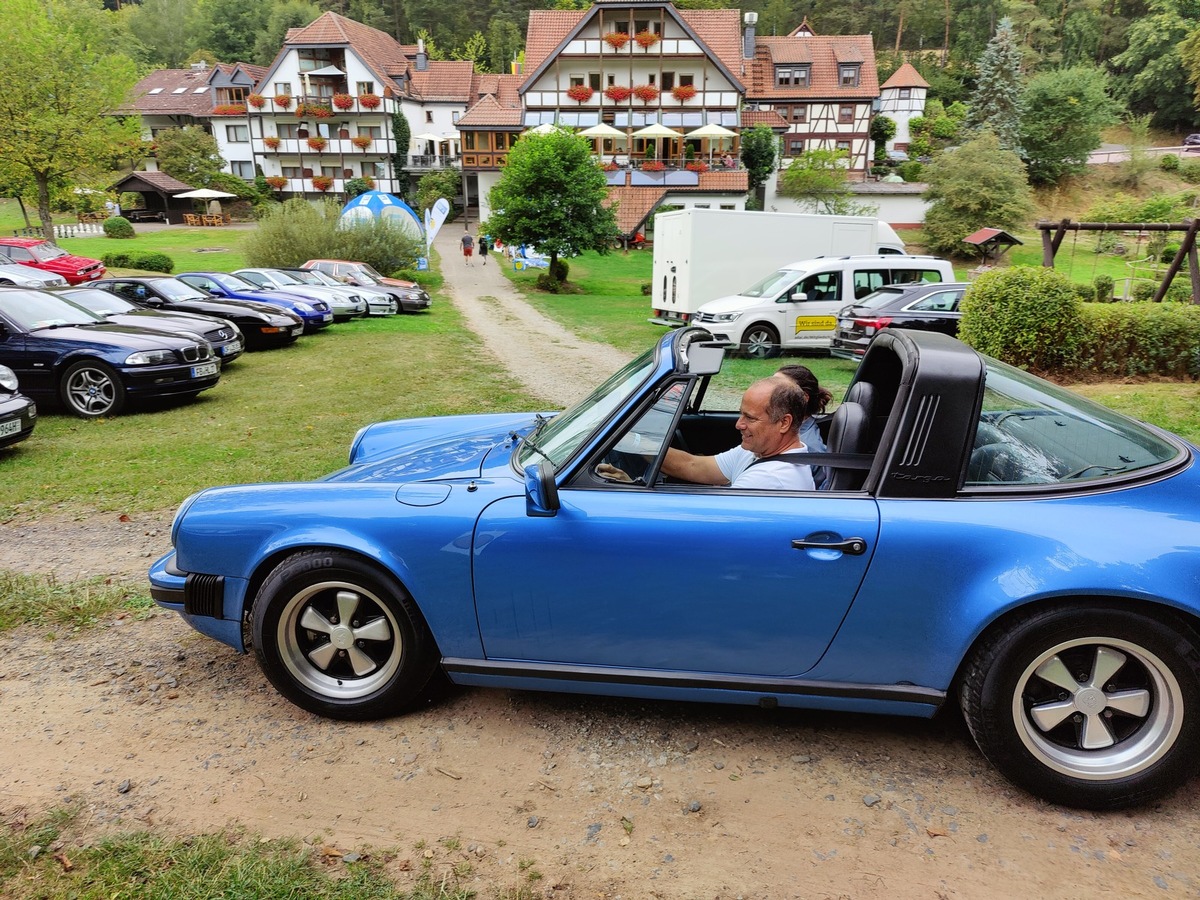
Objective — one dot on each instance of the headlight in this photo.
(8, 379)
(280, 321)
(724, 317)
(304, 307)
(150, 358)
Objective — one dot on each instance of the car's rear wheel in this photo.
(90, 388)
(1095, 707)
(761, 342)
(341, 638)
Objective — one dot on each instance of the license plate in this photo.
(328, 317)
(230, 349)
(204, 370)
(297, 330)
(7, 428)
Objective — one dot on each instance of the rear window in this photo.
(915, 276)
(1031, 432)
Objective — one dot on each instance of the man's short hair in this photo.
(787, 399)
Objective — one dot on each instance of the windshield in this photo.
(311, 276)
(561, 436)
(179, 290)
(283, 278)
(46, 252)
(774, 284)
(366, 269)
(1033, 432)
(33, 310)
(232, 282)
(98, 301)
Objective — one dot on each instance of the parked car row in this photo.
(93, 345)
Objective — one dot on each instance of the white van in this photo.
(796, 307)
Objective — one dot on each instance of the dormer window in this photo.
(848, 76)
(792, 76)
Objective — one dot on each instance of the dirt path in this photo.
(146, 724)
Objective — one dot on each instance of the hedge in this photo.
(1141, 339)
(149, 261)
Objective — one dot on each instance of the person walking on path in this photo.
(468, 247)
(483, 248)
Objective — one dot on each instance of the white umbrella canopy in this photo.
(602, 130)
(204, 194)
(711, 131)
(656, 131)
(544, 128)
(429, 137)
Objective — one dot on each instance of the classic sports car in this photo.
(985, 539)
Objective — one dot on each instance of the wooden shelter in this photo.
(158, 189)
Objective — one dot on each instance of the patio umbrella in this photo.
(656, 131)
(602, 131)
(717, 132)
(544, 128)
(436, 138)
(204, 194)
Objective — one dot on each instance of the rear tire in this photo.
(1095, 707)
(341, 638)
(761, 342)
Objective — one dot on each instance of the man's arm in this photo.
(696, 469)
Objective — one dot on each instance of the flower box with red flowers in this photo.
(646, 39)
(653, 166)
(616, 39)
(611, 167)
(697, 166)
(277, 182)
(283, 101)
(369, 101)
(230, 109)
(317, 143)
(646, 92)
(580, 92)
(683, 92)
(618, 93)
(322, 182)
(343, 101)
(362, 141)
(258, 101)
(272, 143)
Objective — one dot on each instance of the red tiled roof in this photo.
(635, 204)
(546, 30)
(166, 102)
(488, 113)
(446, 80)
(386, 56)
(752, 117)
(905, 77)
(160, 181)
(824, 53)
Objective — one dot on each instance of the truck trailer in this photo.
(703, 254)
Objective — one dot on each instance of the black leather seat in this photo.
(848, 431)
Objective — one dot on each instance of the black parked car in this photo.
(61, 351)
(222, 334)
(262, 325)
(922, 307)
(18, 414)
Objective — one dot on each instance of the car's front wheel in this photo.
(90, 388)
(341, 638)
(1094, 707)
(761, 342)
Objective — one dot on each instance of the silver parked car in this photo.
(379, 302)
(18, 275)
(344, 305)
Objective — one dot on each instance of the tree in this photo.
(402, 134)
(551, 195)
(760, 147)
(504, 41)
(189, 154)
(475, 49)
(229, 28)
(1151, 71)
(284, 15)
(883, 129)
(818, 179)
(979, 185)
(59, 87)
(163, 29)
(996, 103)
(1063, 112)
(438, 184)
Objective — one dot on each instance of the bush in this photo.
(118, 227)
(1126, 339)
(910, 171)
(1169, 162)
(1144, 291)
(1168, 252)
(1102, 285)
(548, 283)
(1190, 172)
(296, 230)
(1025, 316)
(149, 261)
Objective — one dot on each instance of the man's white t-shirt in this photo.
(737, 465)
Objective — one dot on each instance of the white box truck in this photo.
(703, 254)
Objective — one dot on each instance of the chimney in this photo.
(422, 57)
(751, 19)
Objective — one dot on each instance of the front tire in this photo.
(340, 638)
(1097, 708)
(90, 389)
(761, 342)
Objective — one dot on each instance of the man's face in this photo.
(760, 435)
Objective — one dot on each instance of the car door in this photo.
(31, 357)
(937, 311)
(812, 319)
(690, 578)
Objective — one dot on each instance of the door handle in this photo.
(854, 546)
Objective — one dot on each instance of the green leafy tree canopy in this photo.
(996, 103)
(760, 149)
(818, 179)
(551, 195)
(1064, 111)
(189, 154)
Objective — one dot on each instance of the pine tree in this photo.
(996, 104)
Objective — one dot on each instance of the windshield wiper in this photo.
(527, 440)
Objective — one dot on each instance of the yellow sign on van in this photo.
(815, 323)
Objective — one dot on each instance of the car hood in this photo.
(70, 264)
(128, 337)
(736, 303)
(257, 306)
(429, 449)
(169, 321)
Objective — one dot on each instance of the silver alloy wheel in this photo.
(761, 343)
(1098, 708)
(338, 640)
(91, 390)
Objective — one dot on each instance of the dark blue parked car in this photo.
(984, 540)
(316, 314)
(18, 414)
(63, 352)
